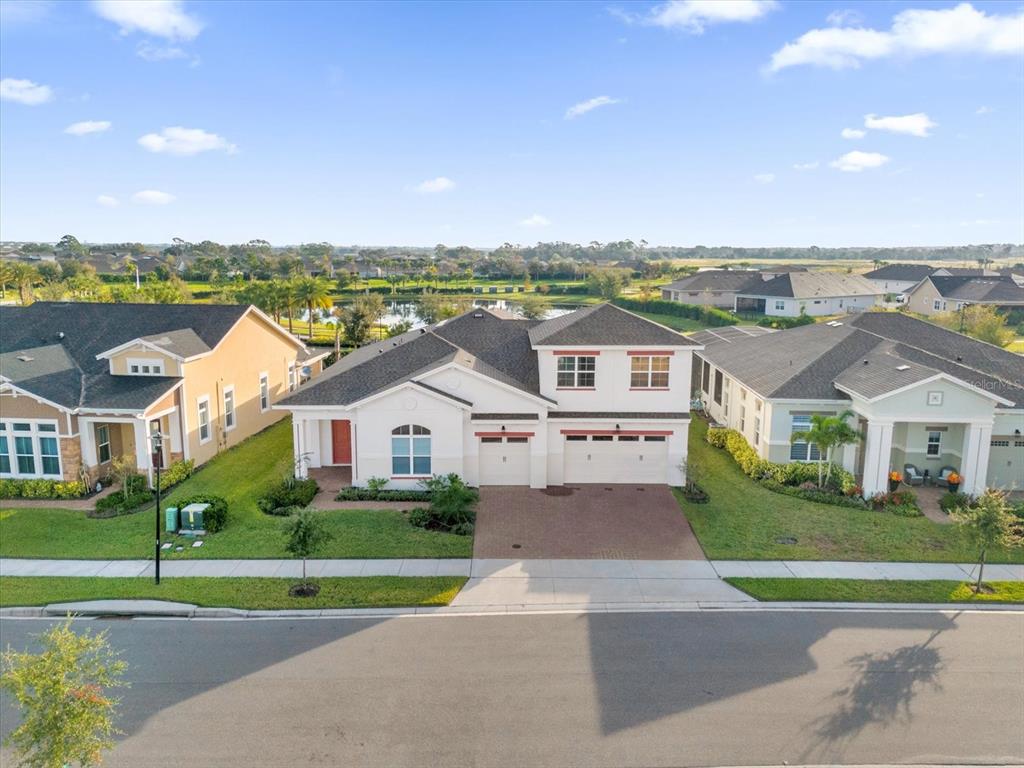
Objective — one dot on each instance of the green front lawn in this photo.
(240, 475)
(249, 593)
(861, 591)
(744, 521)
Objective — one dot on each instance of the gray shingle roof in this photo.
(726, 280)
(813, 285)
(505, 416)
(653, 416)
(604, 325)
(807, 362)
(990, 290)
(729, 333)
(902, 272)
(184, 342)
(89, 329)
(881, 372)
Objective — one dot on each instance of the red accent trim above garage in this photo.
(577, 352)
(504, 434)
(627, 432)
(651, 352)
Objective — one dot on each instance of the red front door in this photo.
(341, 439)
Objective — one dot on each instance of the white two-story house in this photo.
(599, 395)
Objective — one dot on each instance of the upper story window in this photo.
(140, 366)
(577, 372)
(410, 451)
(647, 372)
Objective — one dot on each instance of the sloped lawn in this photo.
(240, 475)
(744, 521)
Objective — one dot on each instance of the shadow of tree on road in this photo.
(881, 692)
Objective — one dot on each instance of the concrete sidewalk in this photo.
(286, 569)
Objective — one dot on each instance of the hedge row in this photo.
(368, 494)
(787, 478)
(41, 489)
(710, 315)
(784, 323)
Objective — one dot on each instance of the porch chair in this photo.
(943, 477)
(911, 475)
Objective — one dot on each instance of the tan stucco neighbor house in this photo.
(920, 395)
(83, 383)
(938, 294)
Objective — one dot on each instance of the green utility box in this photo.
(171, 519)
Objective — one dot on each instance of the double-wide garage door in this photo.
(640, 459)
(504, 461)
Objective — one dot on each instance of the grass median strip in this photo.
(230, 592)
(865, 591)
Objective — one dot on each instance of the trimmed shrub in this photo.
(709, 315)
(951, 501)
(899, 503)
(289, 492)
(117, 504)
(216, 515)
(451, 500)
(178, 471)
(816, 495)
(368, 494)
(420, 517)
(782, 323)
(41, 489)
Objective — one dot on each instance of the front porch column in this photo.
(877, 456)
(299, 446)
(974, 470)
(87, 438)
(140, 429)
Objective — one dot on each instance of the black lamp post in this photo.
(157, 457)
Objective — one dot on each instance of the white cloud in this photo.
(914, 32)
(185, 141)
(806, 166)
(108, 201)
(845, 18)
(984, 110)
(856, 161)
(535, 222)
(88, 126)
(149, 52)
(917, 124)
(764, 178)
(153, 197)
(852, 133)
(694, 15)
(160, 18)
(24, 91)
(432, 186)
(585, 106)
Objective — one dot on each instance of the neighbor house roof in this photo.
(604, 325)
(811, 361)
(729, 333)
(77, 378)
(723, 280)
(813, 285)
(901, 272)
(987, 290)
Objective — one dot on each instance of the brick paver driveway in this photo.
(609, 522)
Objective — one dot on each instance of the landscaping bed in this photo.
(231, 592)
(240, 476)
(746, 521)
(870, 591)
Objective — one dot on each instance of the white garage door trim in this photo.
(616, 459)
(505, 460)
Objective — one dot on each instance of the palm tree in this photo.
(129, 265)
(827, 433)
(25, 276)
(313, 293)
(6, 277)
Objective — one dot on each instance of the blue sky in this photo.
(419, 123)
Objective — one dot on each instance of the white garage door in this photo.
(504, 461)
(615, 459)
(1006, 462)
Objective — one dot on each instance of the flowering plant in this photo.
(895, 476)
(953, 478)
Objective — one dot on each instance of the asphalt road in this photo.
(626, 689)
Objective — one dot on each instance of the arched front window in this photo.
(410, 450)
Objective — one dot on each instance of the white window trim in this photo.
(199, 419)
(412, 455)
(649, 373)
(928, 443)
(229, 389)
(100, 444)
(141, 361)
(576, 372)
(779, 304)
(264, 380)
(293, 377)
(37, 455)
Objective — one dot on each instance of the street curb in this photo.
(187, 611)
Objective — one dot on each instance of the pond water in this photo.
(408, 311)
